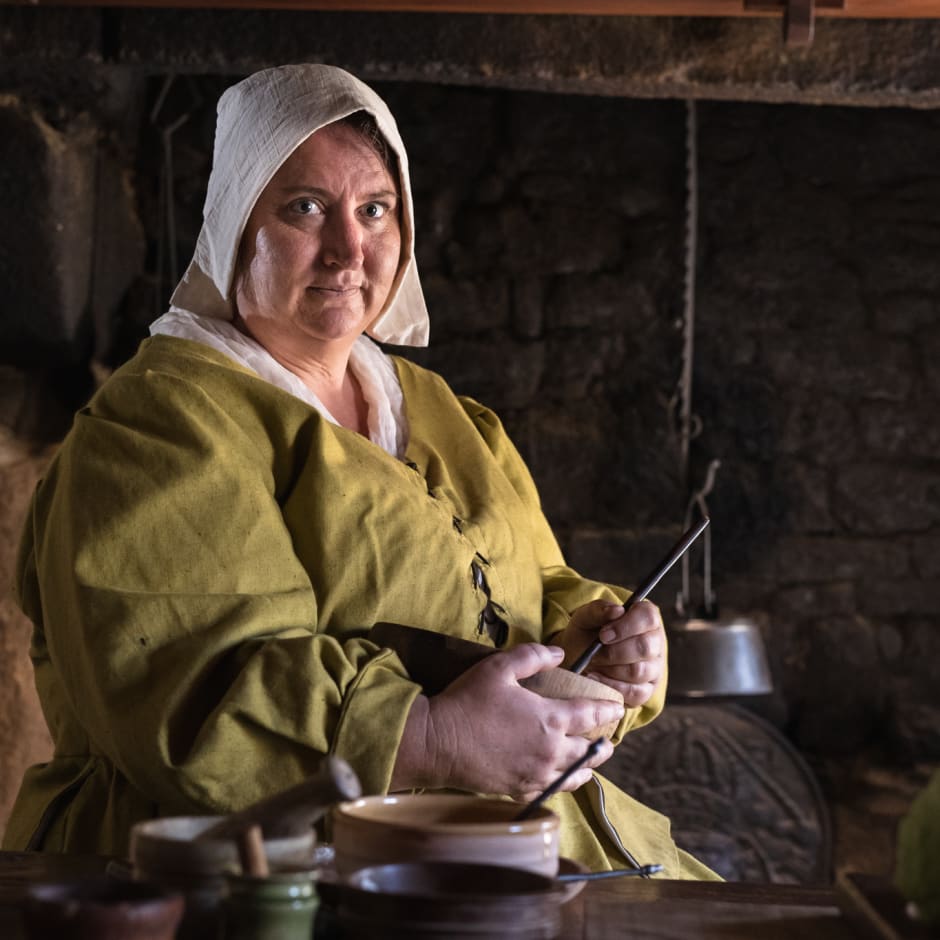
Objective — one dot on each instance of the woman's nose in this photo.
(342, 240)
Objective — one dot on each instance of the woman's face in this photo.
(321, 247)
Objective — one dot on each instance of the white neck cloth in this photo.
(374, 371)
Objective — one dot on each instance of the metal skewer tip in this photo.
(556, 784)
(678, 550)
(644, 871)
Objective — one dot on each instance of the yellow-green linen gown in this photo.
(202, 563)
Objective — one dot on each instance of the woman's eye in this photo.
(304, 206)
(373, 210)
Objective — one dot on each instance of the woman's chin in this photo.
(335, 323)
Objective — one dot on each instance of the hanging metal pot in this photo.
(709, 656)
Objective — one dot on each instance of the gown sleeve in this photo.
(564, 590)
(177, 616)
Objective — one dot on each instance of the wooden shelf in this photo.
(851, 9)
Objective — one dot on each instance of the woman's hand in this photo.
(632, 659)
(488, 734)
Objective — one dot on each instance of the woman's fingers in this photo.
(524, 661)
(485, 732)
(634, 673)
(634, 694)
(583, 774)
(589, 714)
(636, 682)
(633, 658)
(594, 615)
(643, 618)
(636, 637)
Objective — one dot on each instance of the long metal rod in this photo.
(678, 550)
(688, 315)
(644, 871)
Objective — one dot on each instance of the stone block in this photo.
(434, 220)
(890, 642)
(820, 427)
(800, 497)
(850, 365)
(900, 598)
(930, 353)
(747, 594)
(900, 430)
(811, 601)
(885, 498)
(921, 653)
(602, 301)
(792, 282)
(821, 559)
(906, 311)
(527, 307)
(47, 179)
(579, 362)
(925, 555)
(541, 238)
(502, 373)
(898, 260)
(464, 307)
(852, 641)
(886, 157)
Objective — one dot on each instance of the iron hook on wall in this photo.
(799, 16)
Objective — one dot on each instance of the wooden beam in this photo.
(852, 9)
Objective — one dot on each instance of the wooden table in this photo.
(625, 909)
(631, 909)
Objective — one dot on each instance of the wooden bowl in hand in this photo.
(564, 684)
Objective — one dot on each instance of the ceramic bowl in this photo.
(444, 900)
(564, 684)
(102, 908)
(422, 827)
(161, 849)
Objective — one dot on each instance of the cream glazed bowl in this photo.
(423, 827)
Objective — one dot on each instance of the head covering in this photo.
(261, 121)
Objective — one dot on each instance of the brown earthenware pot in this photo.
(445, 900)
(422, 827)
(102, 909)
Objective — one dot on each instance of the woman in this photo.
(241, 502)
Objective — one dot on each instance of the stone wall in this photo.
(551, 244)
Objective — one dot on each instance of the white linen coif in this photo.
(261, 121)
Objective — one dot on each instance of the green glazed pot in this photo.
(282, 906)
